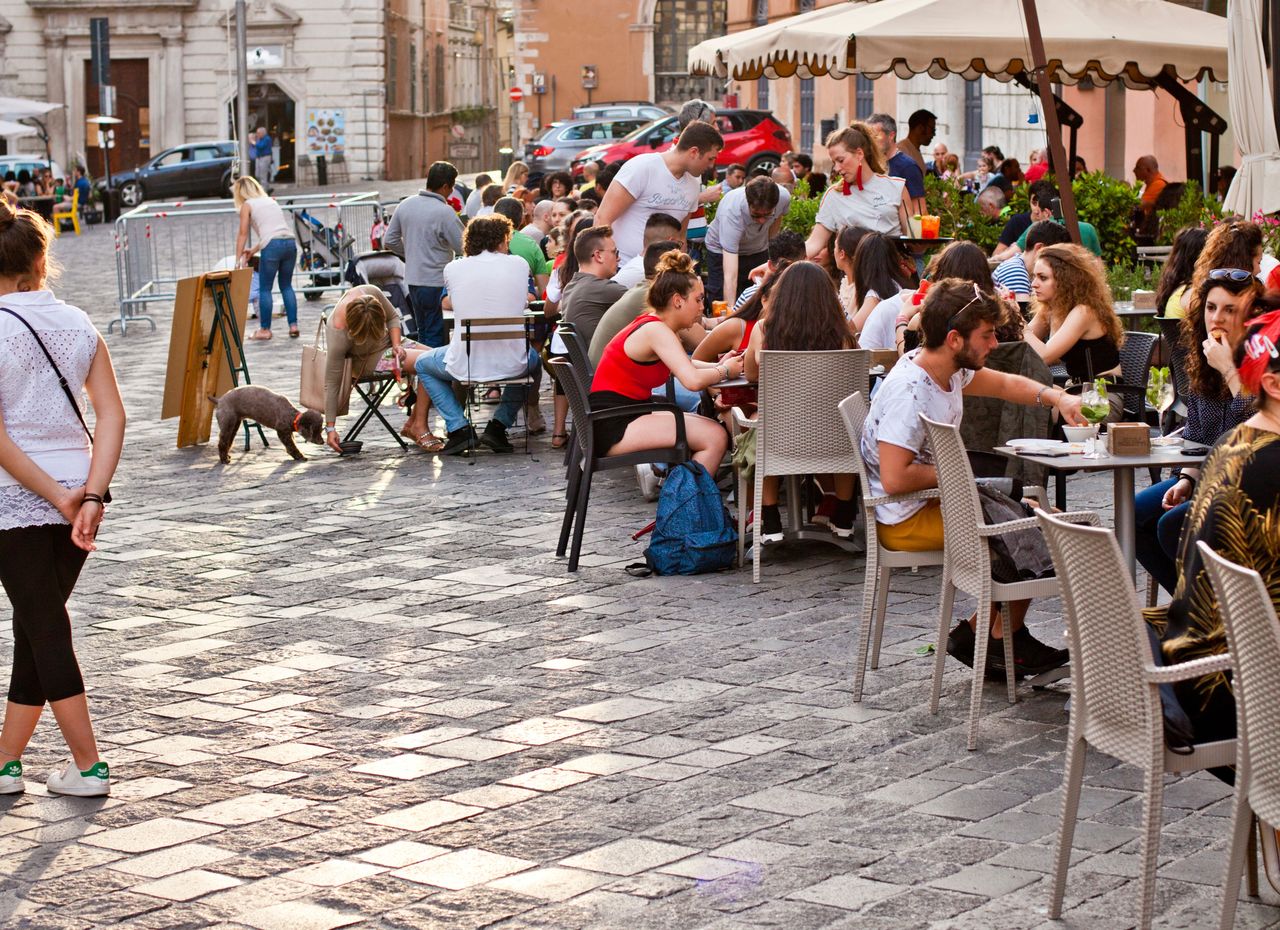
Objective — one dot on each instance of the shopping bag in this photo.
(315, 359)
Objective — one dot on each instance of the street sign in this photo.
(462, 151)
(516, 94)
(539, 82)
(590, 77)
(99, 50)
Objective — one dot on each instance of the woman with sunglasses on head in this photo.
(1210, 335)
(1229, 245)
(1236, 511)
(1074, 321)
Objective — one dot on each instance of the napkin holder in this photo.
(1144, 300)
(1129, 438)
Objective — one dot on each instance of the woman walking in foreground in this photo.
(53, 481)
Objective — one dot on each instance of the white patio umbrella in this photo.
(11, 130)
(1133, 41)
(1257, 183)
(13, 108)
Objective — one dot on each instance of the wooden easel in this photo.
(206, 353)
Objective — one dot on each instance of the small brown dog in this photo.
(272, 411)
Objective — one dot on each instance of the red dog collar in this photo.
(296, 419)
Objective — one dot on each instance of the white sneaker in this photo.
(11, 778)
(92, 783)
(648, 481)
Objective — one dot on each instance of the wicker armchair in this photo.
(880, 561)
(966, 566)
(1253, 635)
(798, 428)
(1115, 697)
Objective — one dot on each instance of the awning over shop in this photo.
(1134, 41)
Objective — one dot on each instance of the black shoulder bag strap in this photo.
(66, 388)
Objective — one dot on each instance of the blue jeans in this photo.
(439, 384)
(428, 318)
(1157, 532)
(687, 400)
(277, 258)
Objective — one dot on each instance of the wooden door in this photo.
(133, 106)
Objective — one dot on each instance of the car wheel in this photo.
(131, 193)
(767, 162)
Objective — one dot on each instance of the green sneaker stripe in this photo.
(12, 769)
(98, 770)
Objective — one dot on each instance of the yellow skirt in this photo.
(921, 532)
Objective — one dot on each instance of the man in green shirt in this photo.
(1047, 205)
(523, 245)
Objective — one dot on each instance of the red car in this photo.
(751, 137)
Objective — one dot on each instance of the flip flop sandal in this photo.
(493, 396)
(559, 440)
(428, 442)
(294, 332)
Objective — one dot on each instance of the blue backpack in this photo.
(693, 531)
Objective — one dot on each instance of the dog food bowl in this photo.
(351, 448)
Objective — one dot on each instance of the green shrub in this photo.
(1108, 204)
(1193, 209)
(959, 214)
(1129, 277)
(803, 212)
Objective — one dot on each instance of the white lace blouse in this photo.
(37, 414)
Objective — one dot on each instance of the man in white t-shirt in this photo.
(958, 332)
(658, 182)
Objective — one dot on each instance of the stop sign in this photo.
(516, 94)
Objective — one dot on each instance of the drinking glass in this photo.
(1160, 396)
(1095, 408)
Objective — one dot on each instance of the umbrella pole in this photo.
(1048, 104)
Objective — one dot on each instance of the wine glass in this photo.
(1095, 408)
(1160, 396)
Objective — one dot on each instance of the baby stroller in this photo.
(320, 253)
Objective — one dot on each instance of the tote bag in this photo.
(315, 359)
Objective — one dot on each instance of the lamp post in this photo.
(242, 89)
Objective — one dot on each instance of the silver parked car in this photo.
(556, 148)
(621, 108)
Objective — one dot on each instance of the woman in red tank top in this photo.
(640, 358)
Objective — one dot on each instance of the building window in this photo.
(679, 25)
(393, 65)
(413, 77)
(426, 79)
(972, 123)
(865, 97)
(440, 101)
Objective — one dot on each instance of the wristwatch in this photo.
(329, 429)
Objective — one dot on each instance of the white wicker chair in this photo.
(1115, 697)
(799, 432)
(967, 566)
(1253, 635)
(880, 561)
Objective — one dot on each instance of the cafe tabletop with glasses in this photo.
(1064, 457)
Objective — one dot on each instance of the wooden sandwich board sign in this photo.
(200, 362)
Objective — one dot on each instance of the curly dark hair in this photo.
(1205, 379)
(486, 234)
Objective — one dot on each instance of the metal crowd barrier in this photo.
(157, 244)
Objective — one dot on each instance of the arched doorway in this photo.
(271, 107)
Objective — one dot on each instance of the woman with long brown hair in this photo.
(1074, 321)
(1209, 337)
(804, 315)
(1237, 244)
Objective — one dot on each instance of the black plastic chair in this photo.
(578, 353)
(585, 459)
(1135, 368)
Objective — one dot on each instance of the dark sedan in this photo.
(198, 169)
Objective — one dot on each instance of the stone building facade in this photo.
(381, 70)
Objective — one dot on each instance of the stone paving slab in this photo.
(362, 692)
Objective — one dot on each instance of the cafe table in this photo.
(1122, 468)
(43, 204)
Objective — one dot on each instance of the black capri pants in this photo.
(39, 566)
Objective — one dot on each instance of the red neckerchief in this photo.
(296, 419)
(847, 189)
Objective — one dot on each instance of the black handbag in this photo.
(66, 388)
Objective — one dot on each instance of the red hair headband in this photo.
(1260, 349)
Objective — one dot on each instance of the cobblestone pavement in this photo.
(363, 692)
